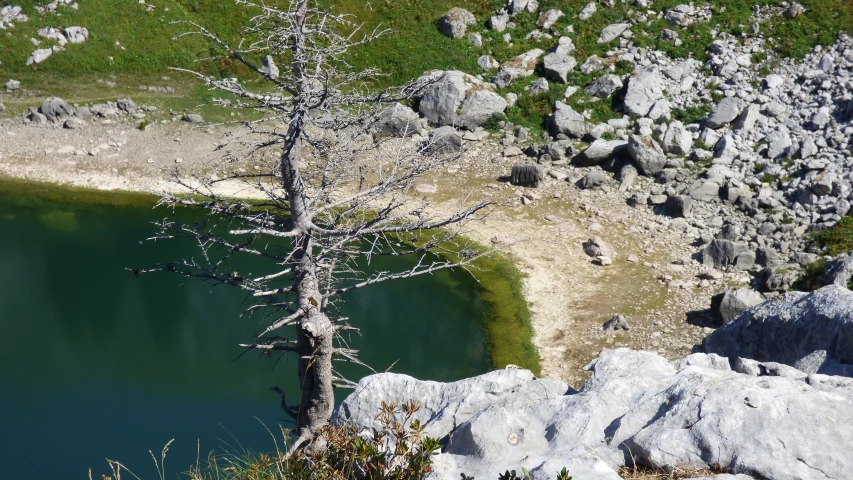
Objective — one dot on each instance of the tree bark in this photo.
(315, 331)
(314, 344)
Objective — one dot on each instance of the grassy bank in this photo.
(506, 321)
(133, 46)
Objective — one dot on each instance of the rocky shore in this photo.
(723, 412)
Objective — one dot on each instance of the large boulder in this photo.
(595, 178)
(77, 34)
(757, 425)
(705, 191)
(558, 64)
(442, 140)
(596, 247)
(677, 140)
(725, 112)
(39, 55)
(73, 123)
(126, 105)
(547, 19)
(647, 154)
(721, 254)
(729, 303)
(518, 6)
(636, 409)
(498, 22)
(587, 12)
(680, 16)
(446, 405)
(480, 106)
(679, 206)
(791, 327)
(746, 120)
(455, 22)
(604, 86)
(567, 121)
(55, 109)
(269, 68)
(523, 65)
(611, 32)
(459, 99)
(527, 174)
(838, 271)
(778, 144)
(599, 151)
(643, 91)
(398, 121)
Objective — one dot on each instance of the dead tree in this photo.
(332, 195)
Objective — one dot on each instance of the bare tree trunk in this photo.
(312, 86)
(315, 331)
(314, 345)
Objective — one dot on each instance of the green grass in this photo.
(820, 25)
(691, 114)
(145, 36)
(769, 178)
(837, 240)
(834, 241)
(415, 47)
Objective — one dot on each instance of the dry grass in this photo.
(643, 473)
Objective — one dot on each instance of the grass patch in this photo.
(691, 114)
(837, 240)
(146, 48)
(834, 241)
(146, 45)
(144, 38)
(769, 178)
(530, 110)
(820, 25)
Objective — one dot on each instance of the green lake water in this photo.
(96, 363)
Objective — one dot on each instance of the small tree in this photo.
(333, 195)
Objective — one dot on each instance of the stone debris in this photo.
(10, 15)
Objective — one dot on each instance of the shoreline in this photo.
(498, 281)
(567, 297)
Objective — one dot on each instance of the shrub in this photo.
(837, 240)
(769, 178)
(807, 281)
(397, 451)
(691, 114)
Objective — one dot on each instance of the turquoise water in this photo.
(96, 363)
